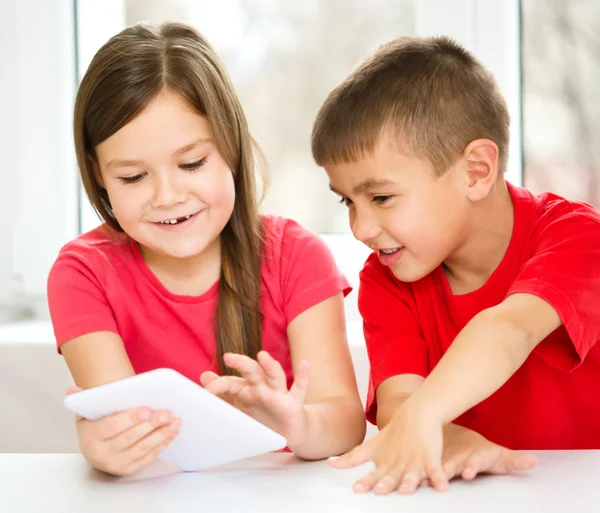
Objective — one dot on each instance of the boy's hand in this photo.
(406, 452)
(262, 393)
(467, 453)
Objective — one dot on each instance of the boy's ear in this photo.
(481, 157)
(93, 163)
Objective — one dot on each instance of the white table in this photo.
(51, 483)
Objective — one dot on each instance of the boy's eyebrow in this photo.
(367, 185)
(126, 163)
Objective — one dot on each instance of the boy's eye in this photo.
(132, 179)
(192, 166)
(381, 199)
(346, 201)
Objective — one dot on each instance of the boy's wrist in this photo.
(422, 405)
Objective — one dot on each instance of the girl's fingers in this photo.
(273, 370)
(299, 388)
(226, 385)
(133, 435)
(250, 369)
(147, 450)
(208, 377)
(113, 425)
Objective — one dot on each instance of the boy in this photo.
(480, 299)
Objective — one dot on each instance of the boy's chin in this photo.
(408, 274)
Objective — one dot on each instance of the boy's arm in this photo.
(490, 348)
(392, 393)
(484, 355)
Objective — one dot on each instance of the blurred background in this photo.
(284, 57)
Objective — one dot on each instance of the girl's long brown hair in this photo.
(122, 79)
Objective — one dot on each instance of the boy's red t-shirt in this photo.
(101, 283)
(553, 400)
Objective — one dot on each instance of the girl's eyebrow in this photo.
(115, 163)
(191, 146)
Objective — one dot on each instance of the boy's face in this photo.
(400, 209)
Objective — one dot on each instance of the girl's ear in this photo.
(93, 163)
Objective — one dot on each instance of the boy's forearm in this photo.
(333, 427)
(484, 355)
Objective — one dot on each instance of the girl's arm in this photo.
(97, 358)
(335, 420)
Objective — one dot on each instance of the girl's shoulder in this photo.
(282, 235)
(95, 248)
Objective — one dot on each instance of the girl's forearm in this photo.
(333, 427)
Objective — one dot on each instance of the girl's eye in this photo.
(381, 199)
(192, 166)
(346, 201)
(132, 179)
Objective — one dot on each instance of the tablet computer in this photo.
(212, 433)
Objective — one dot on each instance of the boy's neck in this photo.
(486, 240)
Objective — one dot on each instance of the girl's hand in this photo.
(467, 453)
(125, 443)
(262, 393)
(406, 452)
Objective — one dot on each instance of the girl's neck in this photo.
(191, 276)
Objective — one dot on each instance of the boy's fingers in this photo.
(250, 369)
(409, 482)
(512, 461)
(439, 481)
(355, 457)
(299, 388)
(370, 480)
(273, 370)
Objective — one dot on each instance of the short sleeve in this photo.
(76, 299)
(394, 340)
(564, 270)
(308, 272)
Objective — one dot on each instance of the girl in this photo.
(184, 273)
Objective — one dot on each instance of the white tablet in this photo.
(212, 433)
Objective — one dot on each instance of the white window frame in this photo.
(43, 188)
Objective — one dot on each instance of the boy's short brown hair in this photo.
(428, 95)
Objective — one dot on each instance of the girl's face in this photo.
(169, 187)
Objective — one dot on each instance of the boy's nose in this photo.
(365, 229)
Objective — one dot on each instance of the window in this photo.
(561, 110)
(283, 58)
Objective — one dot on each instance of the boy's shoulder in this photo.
(554, 217)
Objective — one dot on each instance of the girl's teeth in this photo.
(175, 221)
(389, 251)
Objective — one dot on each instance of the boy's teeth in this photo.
(389, 251)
